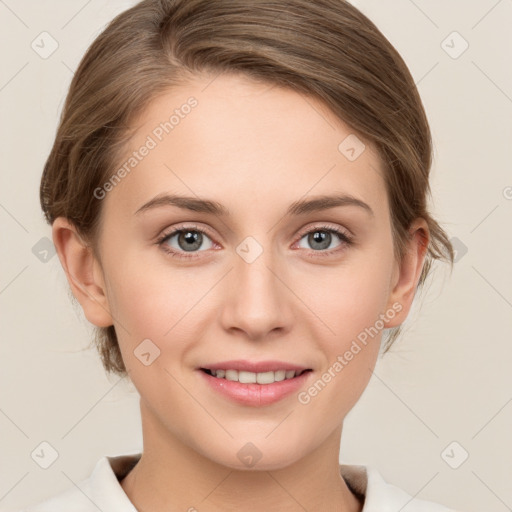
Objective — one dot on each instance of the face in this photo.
(261, 280)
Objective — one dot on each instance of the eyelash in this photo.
(345, 238)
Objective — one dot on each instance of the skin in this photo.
(255, 148)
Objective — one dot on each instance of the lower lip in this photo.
(256, 394)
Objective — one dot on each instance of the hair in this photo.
(326, 49)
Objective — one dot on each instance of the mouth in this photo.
(255, 383)
(248, 377)
(255, 389)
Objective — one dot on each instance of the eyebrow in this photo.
(300, 207)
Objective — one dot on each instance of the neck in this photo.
(172, 476)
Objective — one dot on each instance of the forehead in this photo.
(256, 144)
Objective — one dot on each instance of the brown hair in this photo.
(326, 48)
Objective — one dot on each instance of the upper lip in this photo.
(254, 366)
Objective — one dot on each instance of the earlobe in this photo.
(406, 276)
(83, 272)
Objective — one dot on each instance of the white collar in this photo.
(103, 491)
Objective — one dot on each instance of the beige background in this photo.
(447, 379)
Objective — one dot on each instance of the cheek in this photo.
(152, 300)
(350, 298)
(349, 340)
(349, 302)
(150, 296)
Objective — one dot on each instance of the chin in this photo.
(260, 455)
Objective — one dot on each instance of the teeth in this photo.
(253, 378)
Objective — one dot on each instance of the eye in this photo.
(189, 239)
(321, 237)
(183, 240)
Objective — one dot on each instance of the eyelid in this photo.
(184, 227)
(325, 226)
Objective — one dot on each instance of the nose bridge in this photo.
(258, 303)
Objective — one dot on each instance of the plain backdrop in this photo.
(436, 417)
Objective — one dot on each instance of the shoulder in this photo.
(100, 491)
(381, 496)
(71, 499)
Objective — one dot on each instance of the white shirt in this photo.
(102, 491)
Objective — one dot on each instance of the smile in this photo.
(246, 377)
(255, 388)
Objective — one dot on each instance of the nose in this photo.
(257, 301)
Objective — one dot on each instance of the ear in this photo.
(83, 272)
(406, 274)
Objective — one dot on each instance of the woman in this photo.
(238, 197)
